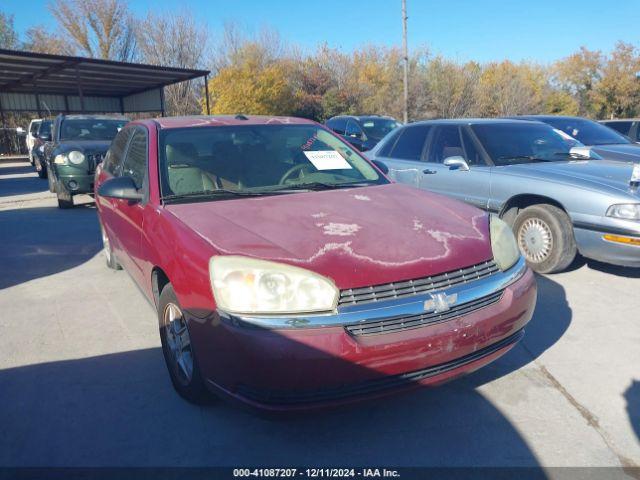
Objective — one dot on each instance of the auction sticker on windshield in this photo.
(327, 160)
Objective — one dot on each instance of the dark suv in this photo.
(364, 131)
(78, 144)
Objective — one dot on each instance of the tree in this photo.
(97, 28)
(38, 39)
(8, 35)
(177, 41)
(511, 89)
(617, 94)
(252, 86)
(577, 75)
(451, 89)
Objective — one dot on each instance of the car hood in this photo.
(594, 173)
(357, 237)
(97, 146)
(625, 152)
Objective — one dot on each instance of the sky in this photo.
(480, 30)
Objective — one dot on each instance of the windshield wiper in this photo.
(221, 192)
(321, 186)
(573, 155)
(529, 158)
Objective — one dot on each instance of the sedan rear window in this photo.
(258, 159)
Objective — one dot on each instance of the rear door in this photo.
(472, 186)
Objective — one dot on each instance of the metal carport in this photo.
(43, 83)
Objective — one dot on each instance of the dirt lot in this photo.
(82, 380)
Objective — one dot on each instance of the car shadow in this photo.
(120, 410)
(632, 396)
(10, 185)
(619, 271)
(45, 240)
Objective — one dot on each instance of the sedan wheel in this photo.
(535, 240)
(179, 354)
(179, 342)
(112, 262)
(545, 237)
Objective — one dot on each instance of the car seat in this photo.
(183, 174)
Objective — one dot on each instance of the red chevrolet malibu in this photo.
(288, 272)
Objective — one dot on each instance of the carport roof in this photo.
(38, 73)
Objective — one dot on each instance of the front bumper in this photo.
(592, 243)
(74, 180)
(298, 366)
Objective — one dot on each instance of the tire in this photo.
(65, 199)
(42, 173)
(111, 260)
(545, 236)
(52, 186)
(187, 381)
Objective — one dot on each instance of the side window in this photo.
(135, 162)
(389, 143)
(115, 155)
(446, 143)
(34, 128)
(353, 130)
(339, 125)
(472, 155)
(411, 143)
(622, 127)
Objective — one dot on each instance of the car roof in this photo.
(542, 118)
(226, 120)
(94, 117)
(363, 117)
(467, 121)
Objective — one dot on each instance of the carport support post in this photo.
(162, 101)
(80, 89)
(206, 92)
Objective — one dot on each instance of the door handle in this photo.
(429, 172)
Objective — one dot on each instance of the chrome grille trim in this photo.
(399, 324)
(356, 296)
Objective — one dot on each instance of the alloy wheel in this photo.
(178, 342)
(535, 240)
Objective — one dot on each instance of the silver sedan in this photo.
(559, 202)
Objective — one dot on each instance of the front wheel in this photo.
(65, 199)
(42, 172)
(545, 236)
(112, 261)
(178, 349)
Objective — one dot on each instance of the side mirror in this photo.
(121, 188)
(381, 165)
(456, 163)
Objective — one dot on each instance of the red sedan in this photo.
(289, 272)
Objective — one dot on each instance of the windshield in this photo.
(587, 131)
(45, 128)
(90, 129)
(377, 128)
(510, 143)
(224, 162)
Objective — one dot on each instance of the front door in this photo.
(472, 186)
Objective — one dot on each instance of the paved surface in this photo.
(82, 380)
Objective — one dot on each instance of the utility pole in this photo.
(405, 52)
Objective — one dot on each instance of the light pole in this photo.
(405, 53)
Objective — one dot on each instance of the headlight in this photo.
(61, 159)
(76, 157)
(41, 148)
(248, 286)
(627, 211)
(503, 243)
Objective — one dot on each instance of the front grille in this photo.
(369, 387)
(388, 291)
(397, 324)
(93, 159)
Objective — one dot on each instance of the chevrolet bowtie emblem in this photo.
(440, 302)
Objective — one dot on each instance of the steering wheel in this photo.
(300, 168)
